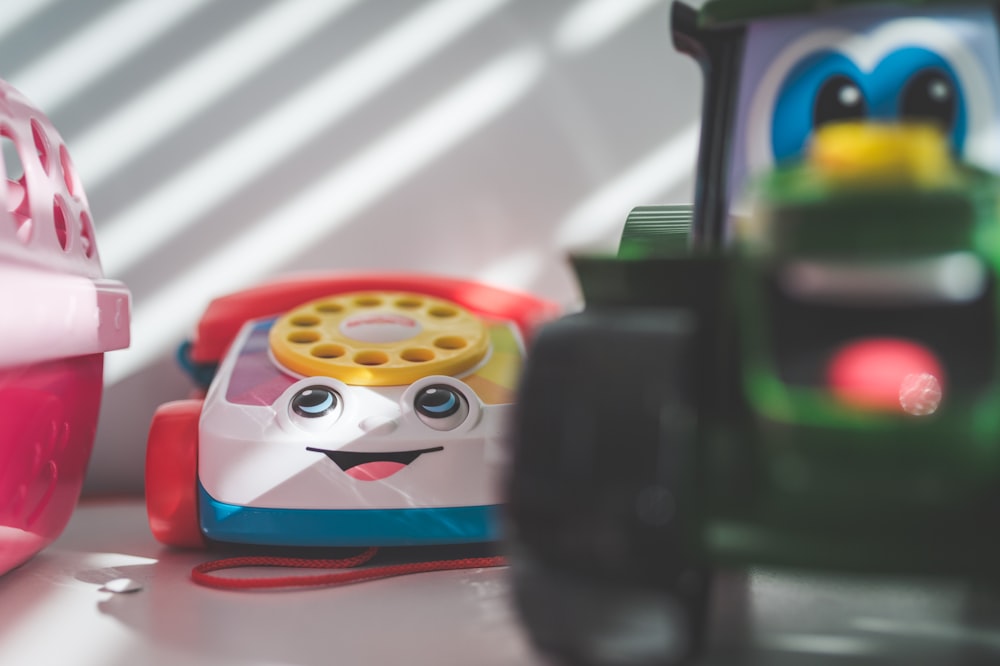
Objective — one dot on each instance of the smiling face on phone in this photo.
(885, 65)
(339, 433)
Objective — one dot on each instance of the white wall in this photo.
(224, 141)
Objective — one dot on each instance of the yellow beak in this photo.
(882, 154)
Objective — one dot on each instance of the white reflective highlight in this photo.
(916, 628)
(122, 586)
(596, 222)
(920, 394)
(953, 278)
(591, 22)
(847, 646)
(516, 269)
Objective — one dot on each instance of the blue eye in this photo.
(437, 402)
(441, 407)
(314, 402)
(910, 83)
(920, 85)
(825, 87)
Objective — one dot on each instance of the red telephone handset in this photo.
(225, 315)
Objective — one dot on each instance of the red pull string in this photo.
(202, 573)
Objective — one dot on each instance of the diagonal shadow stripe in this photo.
(328, 99)
(100, 44)
(358, 182)
(41, 26)
(176, 98)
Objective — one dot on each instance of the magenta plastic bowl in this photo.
(58, 315)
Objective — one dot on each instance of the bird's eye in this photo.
(315, 401)
(441, 407)
(823, 87)
(839, 99)
(930, 95)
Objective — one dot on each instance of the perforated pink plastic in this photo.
(58, 315)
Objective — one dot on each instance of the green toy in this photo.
(806, 373)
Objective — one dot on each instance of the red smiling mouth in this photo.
(365, 466)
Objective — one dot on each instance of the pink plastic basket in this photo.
(58, 316)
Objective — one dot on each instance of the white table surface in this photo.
(53, 611)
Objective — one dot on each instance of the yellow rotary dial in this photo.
(379, 338)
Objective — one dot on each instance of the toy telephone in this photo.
(342, 410)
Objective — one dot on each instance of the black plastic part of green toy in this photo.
(603, 567)
(716, 13)
(718, 54)
(656, 231)
(586, 621)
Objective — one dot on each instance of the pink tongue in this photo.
(374, 471)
